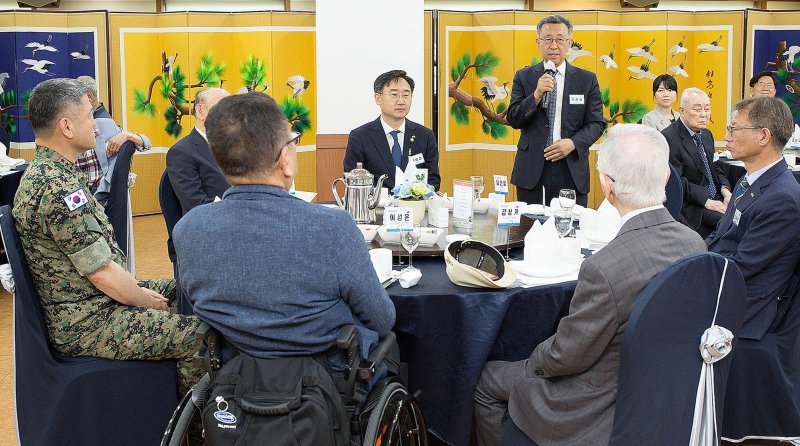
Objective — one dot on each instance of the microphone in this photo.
(549, 68)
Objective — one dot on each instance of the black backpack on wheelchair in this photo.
(295, 401)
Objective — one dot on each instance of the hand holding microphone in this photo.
(548, 84)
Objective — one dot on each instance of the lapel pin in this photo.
(413, 137)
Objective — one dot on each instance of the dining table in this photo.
(447, 333)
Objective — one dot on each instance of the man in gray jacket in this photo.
(566, 391)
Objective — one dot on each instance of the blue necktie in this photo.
(712, 189)
(551, 112)
(740, 189)
(396, 152)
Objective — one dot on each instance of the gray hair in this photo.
(772, 114)
(200, 98)
(90, 84)
(554, 19)
(51, 100)
(691, 91)
(636, 158)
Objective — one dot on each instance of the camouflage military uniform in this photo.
(66, 235)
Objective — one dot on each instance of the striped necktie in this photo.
(551, 111)
(712, 188)
(740, 190)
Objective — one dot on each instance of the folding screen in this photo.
(33, 50)
(773, 42)
(164, 60)
(480, 52)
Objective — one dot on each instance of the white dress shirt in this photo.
(387, 129)
(624, 219)
(560, 77)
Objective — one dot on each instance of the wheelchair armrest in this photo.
(376, 356)
(347, 341)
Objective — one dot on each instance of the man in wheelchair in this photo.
(279, 279)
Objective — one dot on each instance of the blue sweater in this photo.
(277, 276)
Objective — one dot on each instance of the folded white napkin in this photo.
(546, 255)
(408, 279)
(305, 196)
(7, 160)
(534, 209)
(541, 243)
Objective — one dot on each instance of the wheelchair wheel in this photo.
(178, 430)
(395, 420)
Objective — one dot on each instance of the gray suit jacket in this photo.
(567, 396)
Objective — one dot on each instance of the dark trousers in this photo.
(513, 436)
(555, 176)
(708, 222)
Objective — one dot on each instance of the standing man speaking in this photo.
(558, 108)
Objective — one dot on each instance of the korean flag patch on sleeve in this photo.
(76, 200)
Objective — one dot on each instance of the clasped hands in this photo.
(719, 206)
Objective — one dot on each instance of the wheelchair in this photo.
(385, 415)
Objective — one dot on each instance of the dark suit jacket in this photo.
(684, 156)
(570, 385)
(193, 172)
(582, 123)
(765, 243)
(368, 145)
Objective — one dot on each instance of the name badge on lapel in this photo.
(736, 216)
(576, 99)
(417, 159)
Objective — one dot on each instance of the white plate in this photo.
(551, 269)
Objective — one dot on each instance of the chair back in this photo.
(170, 208)
(117, 204)
(77, 400)
(660, 361)
(674, 190)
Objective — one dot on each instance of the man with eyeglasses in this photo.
(759, 230)
(392, 140)
(763, 84)
(706, 191)
(559, 110)
(194, 175)
(277, 276)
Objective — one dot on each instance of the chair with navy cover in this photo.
(763, 400)
(660, 364)
(78, 400)
(674, 190)
(171, 209)
(117, 204)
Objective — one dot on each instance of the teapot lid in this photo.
(359, 176)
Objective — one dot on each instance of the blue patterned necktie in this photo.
(551, 111)
(396, 152)
(712, 189)
(740, 190)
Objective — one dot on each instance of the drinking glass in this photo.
(563, 222)
(410, 241)
(477, 186)
(566, 198)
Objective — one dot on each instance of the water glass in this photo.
(410, 241)
(566, 198)
(563, 221)
(477, 182)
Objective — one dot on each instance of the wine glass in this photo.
(410, 240)
(477, 186)
(566, 198)
(563, 222)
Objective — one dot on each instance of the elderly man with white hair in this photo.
(566, 391)
(706, 191)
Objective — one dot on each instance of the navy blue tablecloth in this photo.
(447, 333)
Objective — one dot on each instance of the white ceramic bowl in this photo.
(456, 237)
(368, 231)
(481, 205)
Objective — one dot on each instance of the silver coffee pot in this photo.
(360, 197)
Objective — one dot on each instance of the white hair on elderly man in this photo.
(636, 159)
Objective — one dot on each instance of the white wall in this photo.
(356, 41)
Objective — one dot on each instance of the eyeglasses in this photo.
(547, 41)
(731, 128)
(597, 166)
(295, 139)
(764, 85)
(395, 96)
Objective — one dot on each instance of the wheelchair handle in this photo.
(268, 409)
(379, 352)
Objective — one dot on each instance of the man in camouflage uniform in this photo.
(92, 305)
